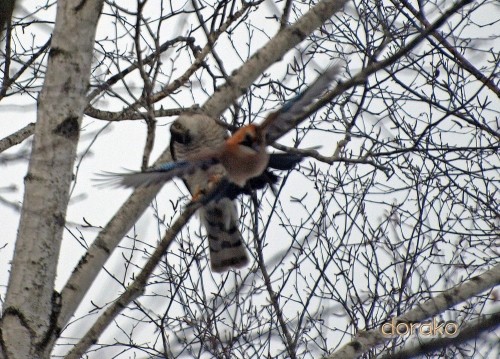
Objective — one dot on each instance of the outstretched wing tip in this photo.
(159, 174)
(107, 179)
(281, 121)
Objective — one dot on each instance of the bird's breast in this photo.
(244, 163)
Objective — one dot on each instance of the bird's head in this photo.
(195, 132)
(249, 136)
(182, 130)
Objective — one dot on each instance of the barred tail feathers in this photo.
(227, 248)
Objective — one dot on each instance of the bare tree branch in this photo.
(366, 340)
(17, 137)
(135, 289)
(468, 332)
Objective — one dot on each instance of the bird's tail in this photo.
(227, 249)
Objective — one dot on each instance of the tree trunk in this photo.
(31, 304)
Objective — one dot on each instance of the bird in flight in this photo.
(216, 168)
(243, 155)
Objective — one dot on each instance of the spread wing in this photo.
(156, 175)
(280, 122)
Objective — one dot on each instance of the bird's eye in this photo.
(248, 140)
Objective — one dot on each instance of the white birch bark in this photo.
(31, 304)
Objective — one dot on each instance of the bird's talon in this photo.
(198, 194)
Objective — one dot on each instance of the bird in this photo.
(243, 155)
(193, 135)
(217, 168)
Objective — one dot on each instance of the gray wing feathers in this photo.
(313, 92)
(283, 120)
(134, 179)
(156, 175)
